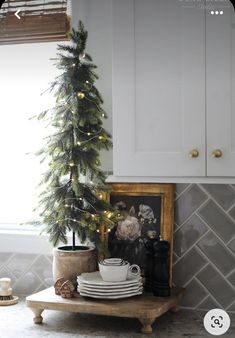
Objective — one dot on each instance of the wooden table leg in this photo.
(37, 313)
(146, 324)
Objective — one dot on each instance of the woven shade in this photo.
(39, 21)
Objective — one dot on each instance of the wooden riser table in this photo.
(146, 308)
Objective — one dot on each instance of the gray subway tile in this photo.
(217, 253)
(188, 202)
(217, 285)
(217, 219)
(4, 256)
(42, 267)
(6, 273)
(231, 307)
(187, 267)
(208, 304)
(19, 263)
(27, 284)
(222, 193)
(231, 278)
(188, 234)
(232, 212)
(180, 187)
(193, 295)
(232, 245)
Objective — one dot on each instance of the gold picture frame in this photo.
(163, 194)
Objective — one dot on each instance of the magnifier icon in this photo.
(216, 321)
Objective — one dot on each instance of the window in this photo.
(26, 71)
(40, 20)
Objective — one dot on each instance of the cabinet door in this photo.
(158, 88)
(220, 75)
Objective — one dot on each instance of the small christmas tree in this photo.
(72, 200)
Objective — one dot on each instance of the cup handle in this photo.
(134, 270)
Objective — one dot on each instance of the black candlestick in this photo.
(161, 286)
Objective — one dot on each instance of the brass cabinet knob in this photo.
(194, 153)
(217, 153)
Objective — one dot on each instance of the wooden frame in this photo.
(163, 191)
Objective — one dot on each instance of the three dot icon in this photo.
(217, 12)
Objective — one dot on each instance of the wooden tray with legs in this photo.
(145, 308)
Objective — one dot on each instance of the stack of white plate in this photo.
(92, 285)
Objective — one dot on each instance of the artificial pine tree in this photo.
(72, 200)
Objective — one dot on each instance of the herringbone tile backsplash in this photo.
(204, 245)
(204, 250)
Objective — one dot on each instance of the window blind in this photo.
(40, 20)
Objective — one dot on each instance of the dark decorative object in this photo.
(149, 268)
(146, 214)
(161, 286)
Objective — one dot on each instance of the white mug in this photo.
(118, 273)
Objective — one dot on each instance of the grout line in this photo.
(233, 302)
(231, 240)
(202, 300)
(230, 273)
(218, 237)
(209, 293)
(210, 227)
(194, 211)
(190, 280)
(216, 268)
(194, 244)
(183, 191)
(231, 207)
(218, 205)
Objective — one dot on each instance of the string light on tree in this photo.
(82, 55)
(80, 95)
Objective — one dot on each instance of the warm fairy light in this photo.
(97, 230)
(109, 215)
(87, 82)
(89, 134)
(105, 212)
(91, 182)
(93, 216)
(71, 164)
(109, 230)
(80, 95)
(80, 199)
(79, 143)
(66, 205)
(103, 115)
(74, 220)
(74, 64)
(101, 196)
(82, 55)
(100, 137)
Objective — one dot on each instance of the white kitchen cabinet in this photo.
(173, 88)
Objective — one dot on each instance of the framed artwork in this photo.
(147, 213)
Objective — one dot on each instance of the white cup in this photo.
(118, 273)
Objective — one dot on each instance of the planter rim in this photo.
(88, 248)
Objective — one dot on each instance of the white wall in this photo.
(97, 18)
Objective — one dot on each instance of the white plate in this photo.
(94, 278)
(84, 288)
(130, 294)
